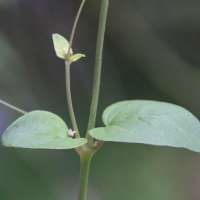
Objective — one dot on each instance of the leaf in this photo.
(61, 45)
(40, 129)
(76, 57)
(149, 122)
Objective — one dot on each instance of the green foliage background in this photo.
(151, 51)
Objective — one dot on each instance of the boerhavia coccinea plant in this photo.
(132, 121)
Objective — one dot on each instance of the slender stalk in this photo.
(85, 159)
(13, 107)
(97, 72)
(69, 99)
(67, 68)
(97, 145)
(74, 26)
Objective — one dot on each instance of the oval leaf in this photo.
(40, 129)
(61, 45)
(150, 122)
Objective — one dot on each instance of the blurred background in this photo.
(151, 51)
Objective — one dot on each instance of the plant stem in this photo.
(67, 69)
(13, 107)
(74, 26)
(97, 71)
(69, 99)
(85, 159)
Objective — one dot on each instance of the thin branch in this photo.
(97, 72)
(69, 99)
(13, 107)
(74, 27)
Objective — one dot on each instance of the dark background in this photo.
(151, 51)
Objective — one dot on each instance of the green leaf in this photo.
(150, 122)
(61, 45)
(76, 57)
(40, 129)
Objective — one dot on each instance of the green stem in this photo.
(13, 107)
(97, 72)
(69, 99)
(85, 159)
(74, 26)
